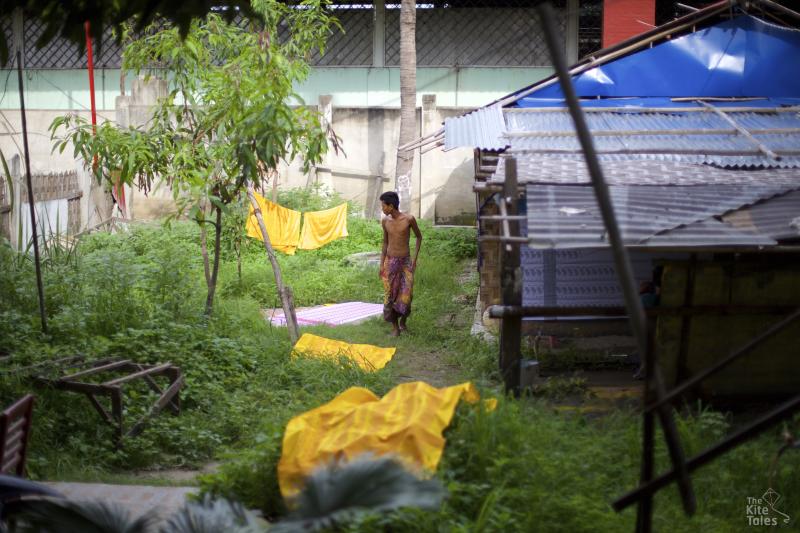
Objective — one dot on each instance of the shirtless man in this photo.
(397, 267)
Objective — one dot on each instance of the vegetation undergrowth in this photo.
(139, 295)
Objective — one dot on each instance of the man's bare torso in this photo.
(398, 231)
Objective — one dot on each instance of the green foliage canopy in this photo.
(66, 18)
(228, 115)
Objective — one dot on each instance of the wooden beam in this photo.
(159, 405)
(511, 286)
(146, 372)
(74, 386)
(100, 409)
(154, 386)
(747, 134)
(95, 370)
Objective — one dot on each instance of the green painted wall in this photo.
(68, 90)
(63, 90)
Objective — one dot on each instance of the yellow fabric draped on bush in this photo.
(408, 422)
(283, 225)
(322, 227)
(366, 356)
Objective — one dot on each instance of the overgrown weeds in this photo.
(138, 295)
(524, 467)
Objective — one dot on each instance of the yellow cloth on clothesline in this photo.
(283, 225)
(408, 423)
(322, 227)
(367, 356)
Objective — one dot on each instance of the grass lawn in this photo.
(529, 466)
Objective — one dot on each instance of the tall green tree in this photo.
(230, 116)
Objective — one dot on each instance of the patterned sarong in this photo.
(398, 287)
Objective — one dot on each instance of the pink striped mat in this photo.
(330, 315)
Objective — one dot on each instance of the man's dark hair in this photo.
(391, 198)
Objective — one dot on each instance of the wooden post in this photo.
(644, 513)
(511, 283)
(682, 366)
(285, 292)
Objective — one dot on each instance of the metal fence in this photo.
(452, 34)
(473, 36)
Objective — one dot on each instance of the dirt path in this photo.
(432, 366)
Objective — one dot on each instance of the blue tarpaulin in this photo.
(741, 57)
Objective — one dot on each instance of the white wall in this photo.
(442, 182)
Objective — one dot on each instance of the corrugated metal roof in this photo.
(778, 217)
(561, 216)
(567, 169)
(483, 128)
(643, 119)
(709, 232)
(696, 137)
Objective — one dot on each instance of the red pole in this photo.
(119, 191)
(91, 75)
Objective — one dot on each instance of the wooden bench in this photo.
(15, 428)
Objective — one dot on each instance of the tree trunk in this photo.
(204, 252)
(239, 260)
(408, 102)
(284, 291)
(212, 282)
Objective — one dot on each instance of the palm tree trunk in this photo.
(284, 291)
(408, 101)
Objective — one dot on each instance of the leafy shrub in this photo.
(315, 198)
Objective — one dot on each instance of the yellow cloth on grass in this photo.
(367, 356)
(283, 225)
(408, 422)
(322, 227)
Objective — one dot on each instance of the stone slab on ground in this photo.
(364, 259)
(161, 502)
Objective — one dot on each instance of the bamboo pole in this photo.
(624, 269)
(284, 291)
(747, 134)
(36, 257)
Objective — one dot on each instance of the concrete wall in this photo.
(469, 87)
(441, 181)
(362, 105)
